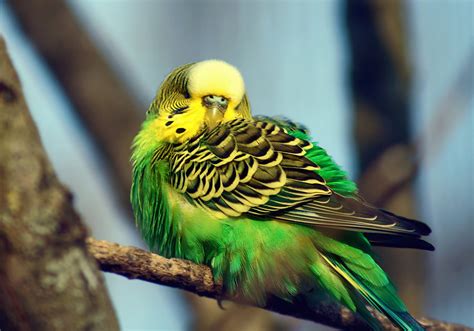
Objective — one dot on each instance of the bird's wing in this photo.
(256, 168)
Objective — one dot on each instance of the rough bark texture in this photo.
(101, 99)
(48, 281)
(135, 263)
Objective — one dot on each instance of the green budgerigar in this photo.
(253, 198)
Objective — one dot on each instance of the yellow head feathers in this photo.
(216, 77)
(196, 97)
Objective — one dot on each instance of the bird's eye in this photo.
(180, 110)
(186, 94)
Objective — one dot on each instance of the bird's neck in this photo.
(150, 200)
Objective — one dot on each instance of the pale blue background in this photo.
(293, 57)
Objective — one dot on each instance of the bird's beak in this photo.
(216, 107)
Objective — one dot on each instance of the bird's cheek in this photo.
(188, 125)
(155, 130)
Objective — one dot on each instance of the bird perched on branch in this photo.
(253, 198)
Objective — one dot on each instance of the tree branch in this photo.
(135, 263)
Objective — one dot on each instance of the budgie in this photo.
(256, 200)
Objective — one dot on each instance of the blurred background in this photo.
(385, 86)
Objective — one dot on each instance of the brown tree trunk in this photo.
(48, 280)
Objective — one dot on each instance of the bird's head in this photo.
(196, 97)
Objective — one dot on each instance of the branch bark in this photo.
(135, 263)
(48, 281)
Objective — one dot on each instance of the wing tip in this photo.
(420, 228)
(399, 241)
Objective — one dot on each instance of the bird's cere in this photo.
(216, 77)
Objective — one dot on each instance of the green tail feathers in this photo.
(382, 298)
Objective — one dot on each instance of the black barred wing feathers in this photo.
(246, 167)
(257, 169)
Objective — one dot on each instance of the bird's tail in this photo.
(384, 299)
